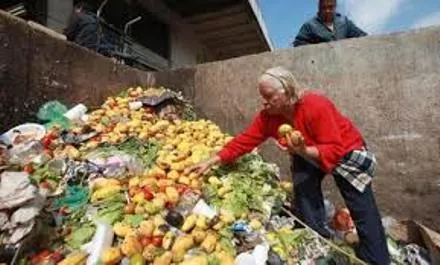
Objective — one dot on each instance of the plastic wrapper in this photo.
(15, 189)
(101, 241)
(26, 152)
(116, 163)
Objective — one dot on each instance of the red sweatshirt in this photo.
(316, 117)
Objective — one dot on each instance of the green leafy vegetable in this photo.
(112, 213)
(255, 188)
(80, 236)
(213, 260)
(133, 220)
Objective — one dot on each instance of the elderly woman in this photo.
(331, 145)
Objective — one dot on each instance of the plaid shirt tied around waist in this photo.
(358, 168)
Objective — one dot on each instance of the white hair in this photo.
(280, 78)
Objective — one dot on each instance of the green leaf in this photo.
(80, 236)
(133, 220)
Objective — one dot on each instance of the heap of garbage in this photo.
(108, 187)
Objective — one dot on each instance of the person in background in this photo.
(330, 144)
(327, 26)
(83, 27)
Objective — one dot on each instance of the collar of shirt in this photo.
(325, 31)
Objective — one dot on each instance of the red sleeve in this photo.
(245, 142)
(326, 133)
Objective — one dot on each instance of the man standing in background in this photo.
(327, 26)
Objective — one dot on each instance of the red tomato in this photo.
(282, 141)
(148, 195)
(96, 138)
(133, 94)
(64, 211)
(44, 185)
(181, 188)
(48, 152)
(157, 241)
(145, 241)
(40, 257)
(169, 205)
(162, 188)
(56, 257)
(46, 141)
(29, 169)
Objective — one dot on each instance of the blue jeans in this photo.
(309, 206)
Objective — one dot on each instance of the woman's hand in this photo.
(203, 168)
(296, 146)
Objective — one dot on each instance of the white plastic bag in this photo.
(102, 240)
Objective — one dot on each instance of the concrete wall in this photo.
(388, 85)
(58, 13)
(186, 50)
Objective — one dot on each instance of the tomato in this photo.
(29, 169)
(162, 188)
(56, 257)
(44, 185)
(46, 141)
(133, 94)
(170, 205)
(283, 141)
(157, 241)
(40, 257)
(64, 211)
(129, 208)
(96, 138)
(148, 195)
(149, 110)
(48, 152)
(145, 241)
(181, 188)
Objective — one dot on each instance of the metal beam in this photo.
(213, 15)
(249, 37)
(221, 22)
(225, 32)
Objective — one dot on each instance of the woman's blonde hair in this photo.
(282, 79)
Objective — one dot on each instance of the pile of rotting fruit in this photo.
(109, 188)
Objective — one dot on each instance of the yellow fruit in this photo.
(77, 258)
(133, 182)
(198, 235)
(111, 256)
(287, 186)
(168, 240)
(198, 260)
(196, 184)
(284, 129)
(139, 198)
(209, 243)
(122, 230)
(172, 194)
(131, 246)
(202, 223)
(218, 226)
(173, 174)
(189, 223)
(296, 137)
(214, 181)
(146, 228)
(255, 224)
(138, 209)
(164, 259)
(184, 180)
